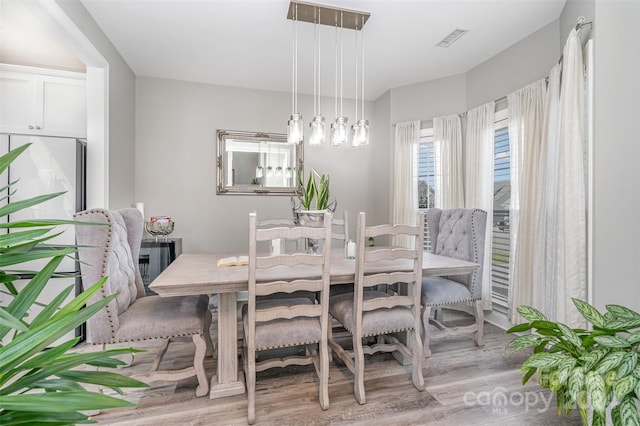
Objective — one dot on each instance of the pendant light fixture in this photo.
(340, 131)
(295, 132)
(317, 125)
(362, 126)
(355, 128)
(339, 127)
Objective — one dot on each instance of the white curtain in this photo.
(526, 115)
(447, 135)
(567, 245)
(548, 202)
(478, 179)
(405, 182)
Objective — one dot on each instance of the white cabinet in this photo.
(42, 102)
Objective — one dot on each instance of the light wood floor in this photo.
(465, 385)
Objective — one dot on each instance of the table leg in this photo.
(228, 380)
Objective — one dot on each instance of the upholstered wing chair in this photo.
(111, 250)
(457, 233)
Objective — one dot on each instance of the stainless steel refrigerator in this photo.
(50, 164)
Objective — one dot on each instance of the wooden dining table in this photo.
(193, 274)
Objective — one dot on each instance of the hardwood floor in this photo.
(465, 385)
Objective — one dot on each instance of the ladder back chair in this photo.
(369, 312)
(271, 323)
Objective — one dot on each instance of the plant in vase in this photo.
(39, 381)
(597, 371)
(313, 190)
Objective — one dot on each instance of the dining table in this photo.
(199, 273)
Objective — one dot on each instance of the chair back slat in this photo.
(388, 278)
(289, 312)
(289, 233)
(386, 303)
(290, 260)
(271, 287)
(376, 254)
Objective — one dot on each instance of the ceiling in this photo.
(248, 43)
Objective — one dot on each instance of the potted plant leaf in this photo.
(40, 382)
(317, 188)
(596, 371)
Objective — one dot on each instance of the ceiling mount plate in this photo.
(329, 15)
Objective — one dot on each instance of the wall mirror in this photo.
(257, 163)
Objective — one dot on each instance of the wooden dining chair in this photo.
(111, 250)
(270, 322)
(368, 311)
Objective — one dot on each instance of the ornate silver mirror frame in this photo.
(257, 163)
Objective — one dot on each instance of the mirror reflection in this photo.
(256, 163)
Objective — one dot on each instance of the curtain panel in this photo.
(548, 200)
(447, 135)
(478, 180)
(526, 115)
(405, 182)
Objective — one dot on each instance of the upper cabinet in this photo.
(42, 102)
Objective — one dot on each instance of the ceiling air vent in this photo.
(453, 36)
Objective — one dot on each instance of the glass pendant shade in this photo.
(318, 131)
(363, 132)
(288, 173)
(279, 172)
(295, 133)
(340, 131)
(355, 135)
(269, 171)
(259, 172)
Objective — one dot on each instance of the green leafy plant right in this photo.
(596, 368)
(318, 190)
(40, 382)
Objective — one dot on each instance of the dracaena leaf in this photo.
(594, 383)
(565, 368)
(624, 386)
(575, 383)
(609, 362)
(611, 341)
(570, 335)
(628, 363)
(622, 311)
(634, 338)
(523, 342)
(543, 360)
(589, 312)
(531, 314)
(629, 415)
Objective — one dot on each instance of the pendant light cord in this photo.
(362, 79)
(341, 58)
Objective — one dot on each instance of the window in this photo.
(501, 200)
(428, 166)
(428, 160)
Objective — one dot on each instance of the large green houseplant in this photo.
(596, 370)
(40, 385)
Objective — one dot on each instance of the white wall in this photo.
(176, 125)
(617, 154)
(120, 131)
(524, 62)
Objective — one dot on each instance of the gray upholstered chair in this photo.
(271, 323)
(381, 313)
(112, 251)
(457, 233)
